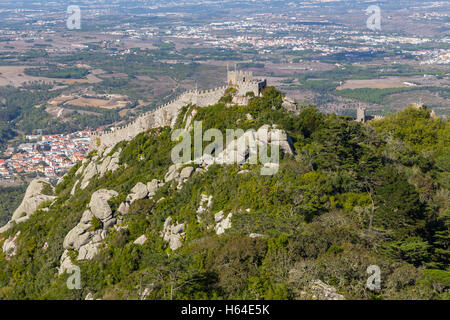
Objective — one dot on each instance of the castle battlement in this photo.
(161, 116)
(244, 82)
(166, 114)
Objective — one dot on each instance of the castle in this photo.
(362, 117)
(166, 115)
(243, 81)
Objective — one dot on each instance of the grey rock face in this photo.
(65, 262)
(109, 223)
(77, 237)
(99, 204)
(79, 171)
(280, 137)
(89, 173)
(138, 192)
(186, 172)
(124, 207)
(109, 163)
(255, 235)
(173, 173)
(222, 223)
(153, 187)
(173, 233)
(141, 240)
(87, 217)
(81, 237)
(88, 251)
(103, 167)
(322, 291)
(74, 188)
(289, 104)
(9, 246)
(32, 200)
(205, 205)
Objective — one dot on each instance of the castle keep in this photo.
(243, 81)
(166, 115)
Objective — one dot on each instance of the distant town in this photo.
(45, 155)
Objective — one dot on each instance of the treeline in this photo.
(57, 72)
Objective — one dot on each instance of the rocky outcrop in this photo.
(108, 163)
(84, 237)
(222, 223)
(255, 235)
(205, 203)
(141, 240)
(89, 173)
(173, 173)
(99, 204)
(65, 262)
(9, 246)
(74, 188)
(289, 104)
(186, 173)
(244, 149)
(32, 200)
(139, 192)
(319, 290)
(88, 251)
(124, 208)
(153, 187)
(173, 233)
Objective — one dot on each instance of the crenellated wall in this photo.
(162, 116)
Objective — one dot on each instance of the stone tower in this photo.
(243, 81)
(361, 114)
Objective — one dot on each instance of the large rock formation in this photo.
(85, 237)
(173, 233)
(139, 192)
(141, 240)
(205, 205)
(222, 223)
(99, 204)
(9, 246)
(97, 166)
(32, 200)
(65, 262)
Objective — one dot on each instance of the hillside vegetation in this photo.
(352, 195)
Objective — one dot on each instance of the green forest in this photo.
(352, 195)
(10, 198)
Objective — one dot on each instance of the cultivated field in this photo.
(384, 83)
(15, 76)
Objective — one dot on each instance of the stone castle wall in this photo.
(162, 116)
(254, 86)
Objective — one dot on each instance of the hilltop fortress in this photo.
(166, 115)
